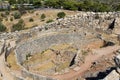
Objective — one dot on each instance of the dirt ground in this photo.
(50, 15)
(88, 63)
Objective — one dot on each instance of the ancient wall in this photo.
(86, 20)
(82, 19)
(33, 76)
(43, 43)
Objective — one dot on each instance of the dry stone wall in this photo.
(82, 19)
(45, 42)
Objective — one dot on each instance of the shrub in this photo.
(31, 20)
(18, 26)
(17, 15)
(43, 17)
(49, 21)
(2, 27)
(7, 12)
(11, 18)
(27, 56)
(61, 15)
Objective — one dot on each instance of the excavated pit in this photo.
(53, 53)
(53, 60)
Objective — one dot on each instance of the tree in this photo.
(12, 2)
(70, 5)
(43, 17)
(52, 3)
(61, 15)
(37, 3)
(2, 27)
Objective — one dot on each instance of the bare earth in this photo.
(6, 74)
(88, 62)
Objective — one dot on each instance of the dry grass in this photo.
(63, 66)
(11, 60)
(45, 67)
(39, 58)
(48, 59)
(50, 14)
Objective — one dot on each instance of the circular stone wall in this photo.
(43, 43)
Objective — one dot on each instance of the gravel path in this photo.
(88, 62)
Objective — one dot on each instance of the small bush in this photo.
(18, 26)
(61, 15)
(7, 12)
(43, 16)
(11, 18)
(49, 21)
(31, 20)
(27, 56)
(2, 27)
(17, 15)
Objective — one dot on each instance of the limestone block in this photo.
(112, 76)
(118, 70)
(117, 60)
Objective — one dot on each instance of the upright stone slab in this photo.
(117, 60)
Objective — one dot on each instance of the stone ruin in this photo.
(115, 74)
(79, 30)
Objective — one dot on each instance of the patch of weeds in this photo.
(28, 55)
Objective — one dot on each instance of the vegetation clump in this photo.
(2, 27)
(49, 21)
(7, 12)
(61, 15)
(18, 26)
(17, 15)
(31, 20)
(11, 18)
(43, 16)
